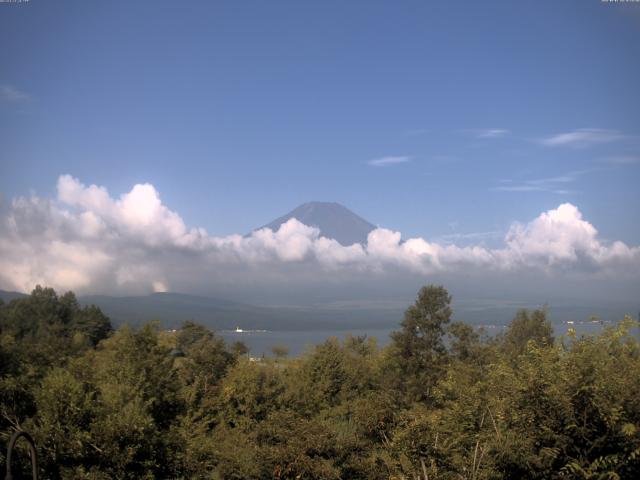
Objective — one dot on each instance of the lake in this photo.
(261, 342)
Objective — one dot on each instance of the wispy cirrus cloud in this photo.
(486, 133)
(475, 236)
(582, 138)
(10, 94)
(490, 132)
(531, 188)
(622, 160)
(416, 132)
(557, 184)
(387, 161)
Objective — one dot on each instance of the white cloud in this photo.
(139, 211)
(582, 138)
(623, 160)
(491, 133)
(451, 237)
(556, 236)
(386, 161)
(547, 184)
(11, 94)
(88, 241)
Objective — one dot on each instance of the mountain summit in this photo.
(334, 221)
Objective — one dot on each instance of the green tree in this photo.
(248, 393)
(527, 326)
(418, 355)
(293, 447)
(465, 341)
(280, 351)
(62, 427)
(38, 333)
(92, 323)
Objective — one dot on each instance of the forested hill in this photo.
(8, 296)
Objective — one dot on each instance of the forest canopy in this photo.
(441, 401)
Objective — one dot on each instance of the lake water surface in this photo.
(261, 342)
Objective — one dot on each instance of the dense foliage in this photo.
(442, 401)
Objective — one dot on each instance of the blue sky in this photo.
(239, 111)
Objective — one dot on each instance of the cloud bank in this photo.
(88, 241)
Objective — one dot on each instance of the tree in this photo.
(239, 348)
(91, 322)
(418, 350)
(464, 341)
(206, 362)
(293, 447)
(191, 333)
(65, 411)
(248, 393)
(323, 376)
(38, 333)
(527, 326)
(280, 351)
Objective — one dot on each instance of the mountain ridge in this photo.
(172, 309)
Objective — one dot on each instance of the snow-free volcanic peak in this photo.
(334, 221)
